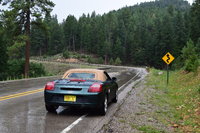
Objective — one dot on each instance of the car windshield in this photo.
(82, 75)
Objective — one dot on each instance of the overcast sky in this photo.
(63, 8)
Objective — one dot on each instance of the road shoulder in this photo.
(138, 113)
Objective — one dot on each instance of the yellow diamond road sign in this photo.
(168, 58)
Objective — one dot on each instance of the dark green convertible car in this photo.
(81, 88)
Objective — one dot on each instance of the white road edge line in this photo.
(67, 129)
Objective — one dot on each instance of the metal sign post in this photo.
(167, 74)
(168, 58)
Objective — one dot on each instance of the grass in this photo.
(182, 95)
(122, 121)
(146, 129)
(149, 129)
(140, 113)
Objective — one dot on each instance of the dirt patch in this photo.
(138, 114)
(70, 60)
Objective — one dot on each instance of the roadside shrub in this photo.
(36, 70)
(74, 56)
(191, 64)
(16, 69)
(112, 61)
(190, 57)
(198, 47)
(178, 63)
(118, 61)
(45, 56)
(100, 60)
(89, 60)
(3, 76)
(79, 56)
(84, 56)
(66, 54)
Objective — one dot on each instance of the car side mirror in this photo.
(114, 78)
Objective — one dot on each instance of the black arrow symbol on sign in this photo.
(168, 56)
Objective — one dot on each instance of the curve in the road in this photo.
(31, 116)
(67, 129)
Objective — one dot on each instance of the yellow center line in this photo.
(20, 94)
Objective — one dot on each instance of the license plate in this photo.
(69, 98)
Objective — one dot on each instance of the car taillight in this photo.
(50, 86)
(96, 87)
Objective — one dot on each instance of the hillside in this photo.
(177, 4)
(151, 107)
(138, 35)
(182, 97)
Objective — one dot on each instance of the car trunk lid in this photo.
(75, 86)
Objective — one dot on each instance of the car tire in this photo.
(115, 99)
(51, 108)
(104, 106)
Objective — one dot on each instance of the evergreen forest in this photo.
(138, 35)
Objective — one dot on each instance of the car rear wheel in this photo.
(115, 99)
(104, 106)
(51, 108)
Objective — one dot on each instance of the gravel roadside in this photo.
(138, 113)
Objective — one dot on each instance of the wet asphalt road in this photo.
(27, 114)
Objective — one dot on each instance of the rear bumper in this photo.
(86, 100)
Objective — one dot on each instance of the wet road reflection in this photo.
(28, 115)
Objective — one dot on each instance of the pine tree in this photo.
(118, 61)
(23, 11)
(198, 47)
(190, 57)
(195, 20)
(111, 62)
(3, 54)
(180, 34)
(38, 39)
(70, 32)
(55, 37)
(117, 49)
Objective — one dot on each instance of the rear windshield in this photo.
(82, 75)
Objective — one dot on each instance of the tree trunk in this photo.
(69, 44)
(105, 61)
(74, 44)
(27, 50)
(46, 45)
(40, 51)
